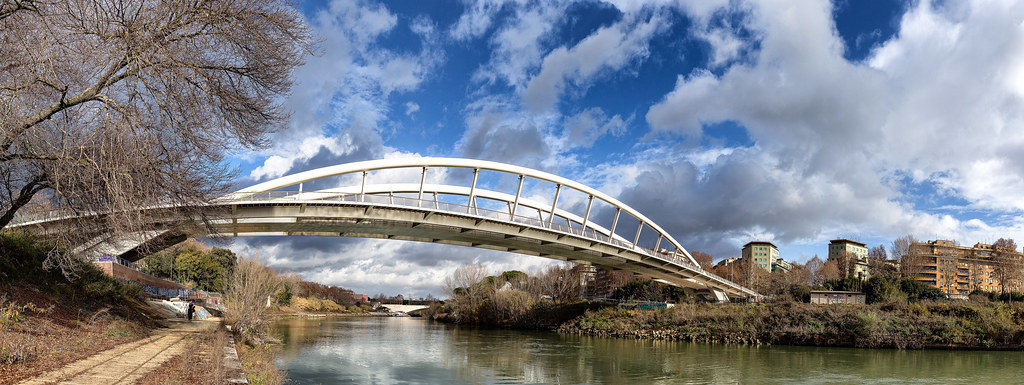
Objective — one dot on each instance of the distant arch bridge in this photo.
(455, 201)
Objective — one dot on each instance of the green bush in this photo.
(801, 293)
(647, 290)
(917, 290)
(22, 257)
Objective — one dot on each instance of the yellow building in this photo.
(837, 247)
(760, 254)
(959, 270)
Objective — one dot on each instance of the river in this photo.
(386, 350)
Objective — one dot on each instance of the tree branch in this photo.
(10, 7)
(37, 184)
(87, 94)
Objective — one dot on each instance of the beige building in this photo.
(760, 254)
(830, 297)
(859, 251)
(959, 270)
(781, 265)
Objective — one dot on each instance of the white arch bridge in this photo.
(453, 201)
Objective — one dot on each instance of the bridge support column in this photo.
(586, 216)
(515, 205)
(639, 228)
(362, 188)
(611, 233)
(558, 189)
(472, 193)
(423, 178)
(719, 295)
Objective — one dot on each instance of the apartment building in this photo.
(781, 265)
(837, 248)
(600, 282)
(959, 270)
(760, 254)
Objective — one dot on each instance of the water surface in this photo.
(383, 350)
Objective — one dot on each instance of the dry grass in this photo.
(203, 363)
(317, 305)
(39, 335)
(258, 363)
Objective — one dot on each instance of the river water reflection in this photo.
(383, 350)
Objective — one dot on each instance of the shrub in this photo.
(246, 297)
(917, 290)
(884, 289)
(801, 293)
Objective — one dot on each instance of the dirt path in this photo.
(127, 363)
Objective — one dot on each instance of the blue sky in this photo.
(724, 121)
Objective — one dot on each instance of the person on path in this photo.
(191, 310)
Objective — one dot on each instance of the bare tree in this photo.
(1006, 267)
(910, 264)
(465, 277)
(815, 268)
(562, 283)
(467, 290)
(831, 270)
(846, 263)
(110, 106)
(247, 295)
(758, 278)
(798, 275)
(705, 260)
(878, 261)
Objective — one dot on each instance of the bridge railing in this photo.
(448, 207)
(462, 209)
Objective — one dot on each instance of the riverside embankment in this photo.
(922, 325)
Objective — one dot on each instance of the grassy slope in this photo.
(47, 320)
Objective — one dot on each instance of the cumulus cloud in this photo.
(371, 266)
(519, 46)
(341, 97)
(607, 49)
(497, 131)
(835, 147)
(584, 128)
(476, 19)
(938, 102)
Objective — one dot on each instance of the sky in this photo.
(794, 122)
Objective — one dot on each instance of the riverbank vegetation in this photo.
(900, 313)
(512, 299)
(48, 319)
(926, 324)
(192, 264)
(298, 297)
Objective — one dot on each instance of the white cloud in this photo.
(518, 46)
(411, 108)
(372, 266)
(940, 103)
(341, 97)
(607, 49)
(584, 128)
(937, 101)
(477, 18)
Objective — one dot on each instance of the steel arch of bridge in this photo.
(548, 224)
(421, 212)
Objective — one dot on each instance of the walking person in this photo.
(191, 310)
